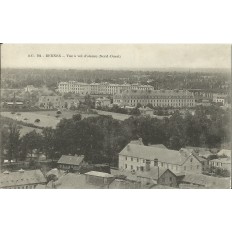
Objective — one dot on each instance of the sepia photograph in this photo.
(115, 116)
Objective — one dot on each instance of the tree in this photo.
(13, 142)
(48, 142)
(29, 142)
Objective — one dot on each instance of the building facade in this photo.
(157, 98)
(135, 157)
(99, 88)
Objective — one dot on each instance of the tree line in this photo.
(101, 138)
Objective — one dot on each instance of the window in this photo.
(185, 168)
(131, 167)
(131, 158)
(191, 160)
(137, 159)
(143, 161)
(170, 178)
(126, 157)
(125, 165)
(137, 168)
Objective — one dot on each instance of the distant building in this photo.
(135, 157)
(30, 88)
(146, 111)
(102, 101)
(98, 88)
(51, 102)
(223, 163)
(22, 179)
(69, 162)
(158, 98)
(219, 98)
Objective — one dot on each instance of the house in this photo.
(30, 88)
(69, 162)
(135, 157)
(51, 102)
(224, 152)
(146, 111)
(22, 179)
(223, 163)
(204, 181)
(102, 101)
(201, 151)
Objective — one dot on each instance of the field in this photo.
(117, 116)
(47, 118)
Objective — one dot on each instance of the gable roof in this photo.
(151, 153)
(70, 160)
(207, 181)
(21, 177)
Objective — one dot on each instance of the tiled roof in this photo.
(207, 181)
(151, 153)
(10, 179)
(70, 160)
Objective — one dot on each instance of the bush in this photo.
(37, 120)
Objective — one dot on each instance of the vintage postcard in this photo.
(111, 116)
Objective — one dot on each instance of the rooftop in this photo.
(21, 177)
(151, 153)
(99, 174)
(70, 160)
(207, 181)
(222, 160)
(74, 181)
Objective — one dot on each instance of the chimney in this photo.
(147, 167)
(156, 162)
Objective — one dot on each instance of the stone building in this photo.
(157, 98)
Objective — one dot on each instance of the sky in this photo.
(115, 56)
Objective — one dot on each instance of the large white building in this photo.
(98, 88)
(157, 98)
